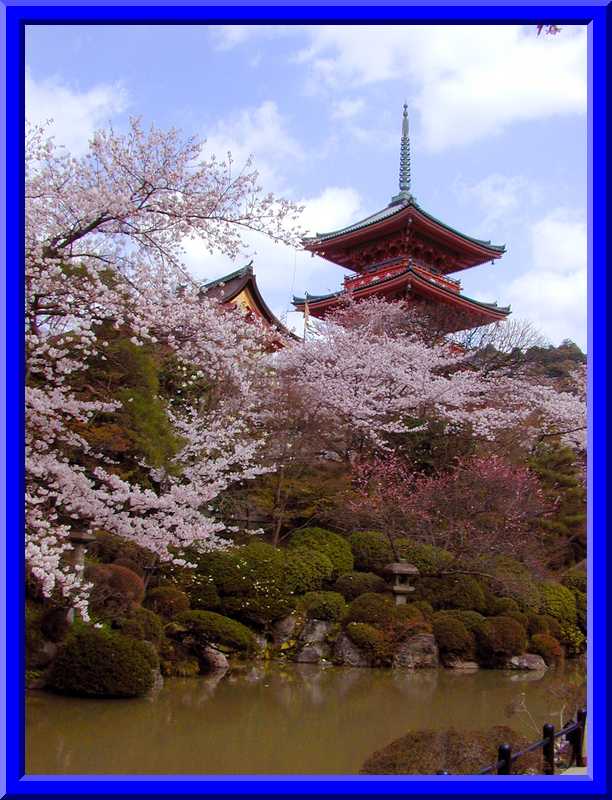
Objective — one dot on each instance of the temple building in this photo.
(239, 289)
(403, 252)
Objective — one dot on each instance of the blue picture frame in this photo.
(15, 16)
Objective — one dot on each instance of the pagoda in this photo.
(239, 290)
(403, 252)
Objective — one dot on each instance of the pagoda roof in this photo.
(227, 288)
(421, 285)
(407, 210)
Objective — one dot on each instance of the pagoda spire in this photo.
(404, 170)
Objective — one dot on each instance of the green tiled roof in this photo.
(239, 273)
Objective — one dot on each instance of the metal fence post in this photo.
(548, 750)
(504, 758)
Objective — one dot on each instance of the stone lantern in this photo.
(80, 540)
(401, 587)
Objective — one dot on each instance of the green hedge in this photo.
(371, 551)
(142, 624)
(335, 547)
(375, 609)
(307, 570)
(559, 602)
(353, 584)
(97, 663)
(167, 601)
(499, 638)
(425, 557)
(329, 606)
(453, 638)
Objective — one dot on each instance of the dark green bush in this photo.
(335, 547)
(202, 593)
(499, 638)
(307, 570)
(497, 606)
(546, 646)
(375, 609)
(329, 606)
(559, 602)
(207, 627)
(34, 638)
(142, 624)
(353, 584)
(97, 663)
(54, 623)
(572, 639)
(516, 582)
(576, 579)
(366, 637)
(424, 607)
(167, 601)
(425, 557)
(452, 591)
(109, 548)
(554, 627)
(371, 550)
(522, 619)
(253, 581)
(453, 637)
(471, 619)
(427, 752)
(537, 623)
(116, 590)
(581, 610)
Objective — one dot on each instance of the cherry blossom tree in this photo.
(104, 240)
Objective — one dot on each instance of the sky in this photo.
(498, 129)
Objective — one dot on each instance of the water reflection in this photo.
(271, 719)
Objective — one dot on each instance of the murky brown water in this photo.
(293, 719)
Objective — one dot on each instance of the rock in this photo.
(417, 652)
(283, 630)
(43, 655)
(213, 660)
(347, 654)
(315, 630)
(453, 662)
(529, 661)
(261, 644)
(158, 682)
(312, 653)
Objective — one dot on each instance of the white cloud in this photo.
(553, 293)
(76, 114)
(261, 132)
(346, 109)
(499, 197)
(467, 82)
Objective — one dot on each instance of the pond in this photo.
(278, 718)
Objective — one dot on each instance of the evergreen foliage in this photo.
(353, 584)
(334, 546)
(329, 606)
(371, 551)
(207, 627)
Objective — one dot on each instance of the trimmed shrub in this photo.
(116, 590)
(167, 601)
(471, 619)
(375, 609)
(109, 548)
(522, 619)
(546, 646)
(424, 607)
(329, 606)
(559, 602)
(426, 752)
(581, 610)
(573, 639)
(460, 591)
(97, 663)
(335, 547)
(54, 623)
(202, 593)
(425, 557)
(499, 638)
(517, 583)
(453, 637)
(253, 581)
(307, 570)
(371, 550)
(497, 606)
(576, 579)
(537, 623)
(207, 627)
(34, 639)
(353, 584)
(142, 624)
(554, 627)
(366, 637)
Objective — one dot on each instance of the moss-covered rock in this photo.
(167, 601)
(98, 663)
(371, 550)
(335, 547)
(353, 584)
(329, 606)
(208, 627)
(457, 752)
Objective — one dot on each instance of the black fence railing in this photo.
(573, 731)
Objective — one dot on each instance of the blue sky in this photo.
(498, 135)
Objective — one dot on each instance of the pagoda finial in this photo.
(404, 171)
